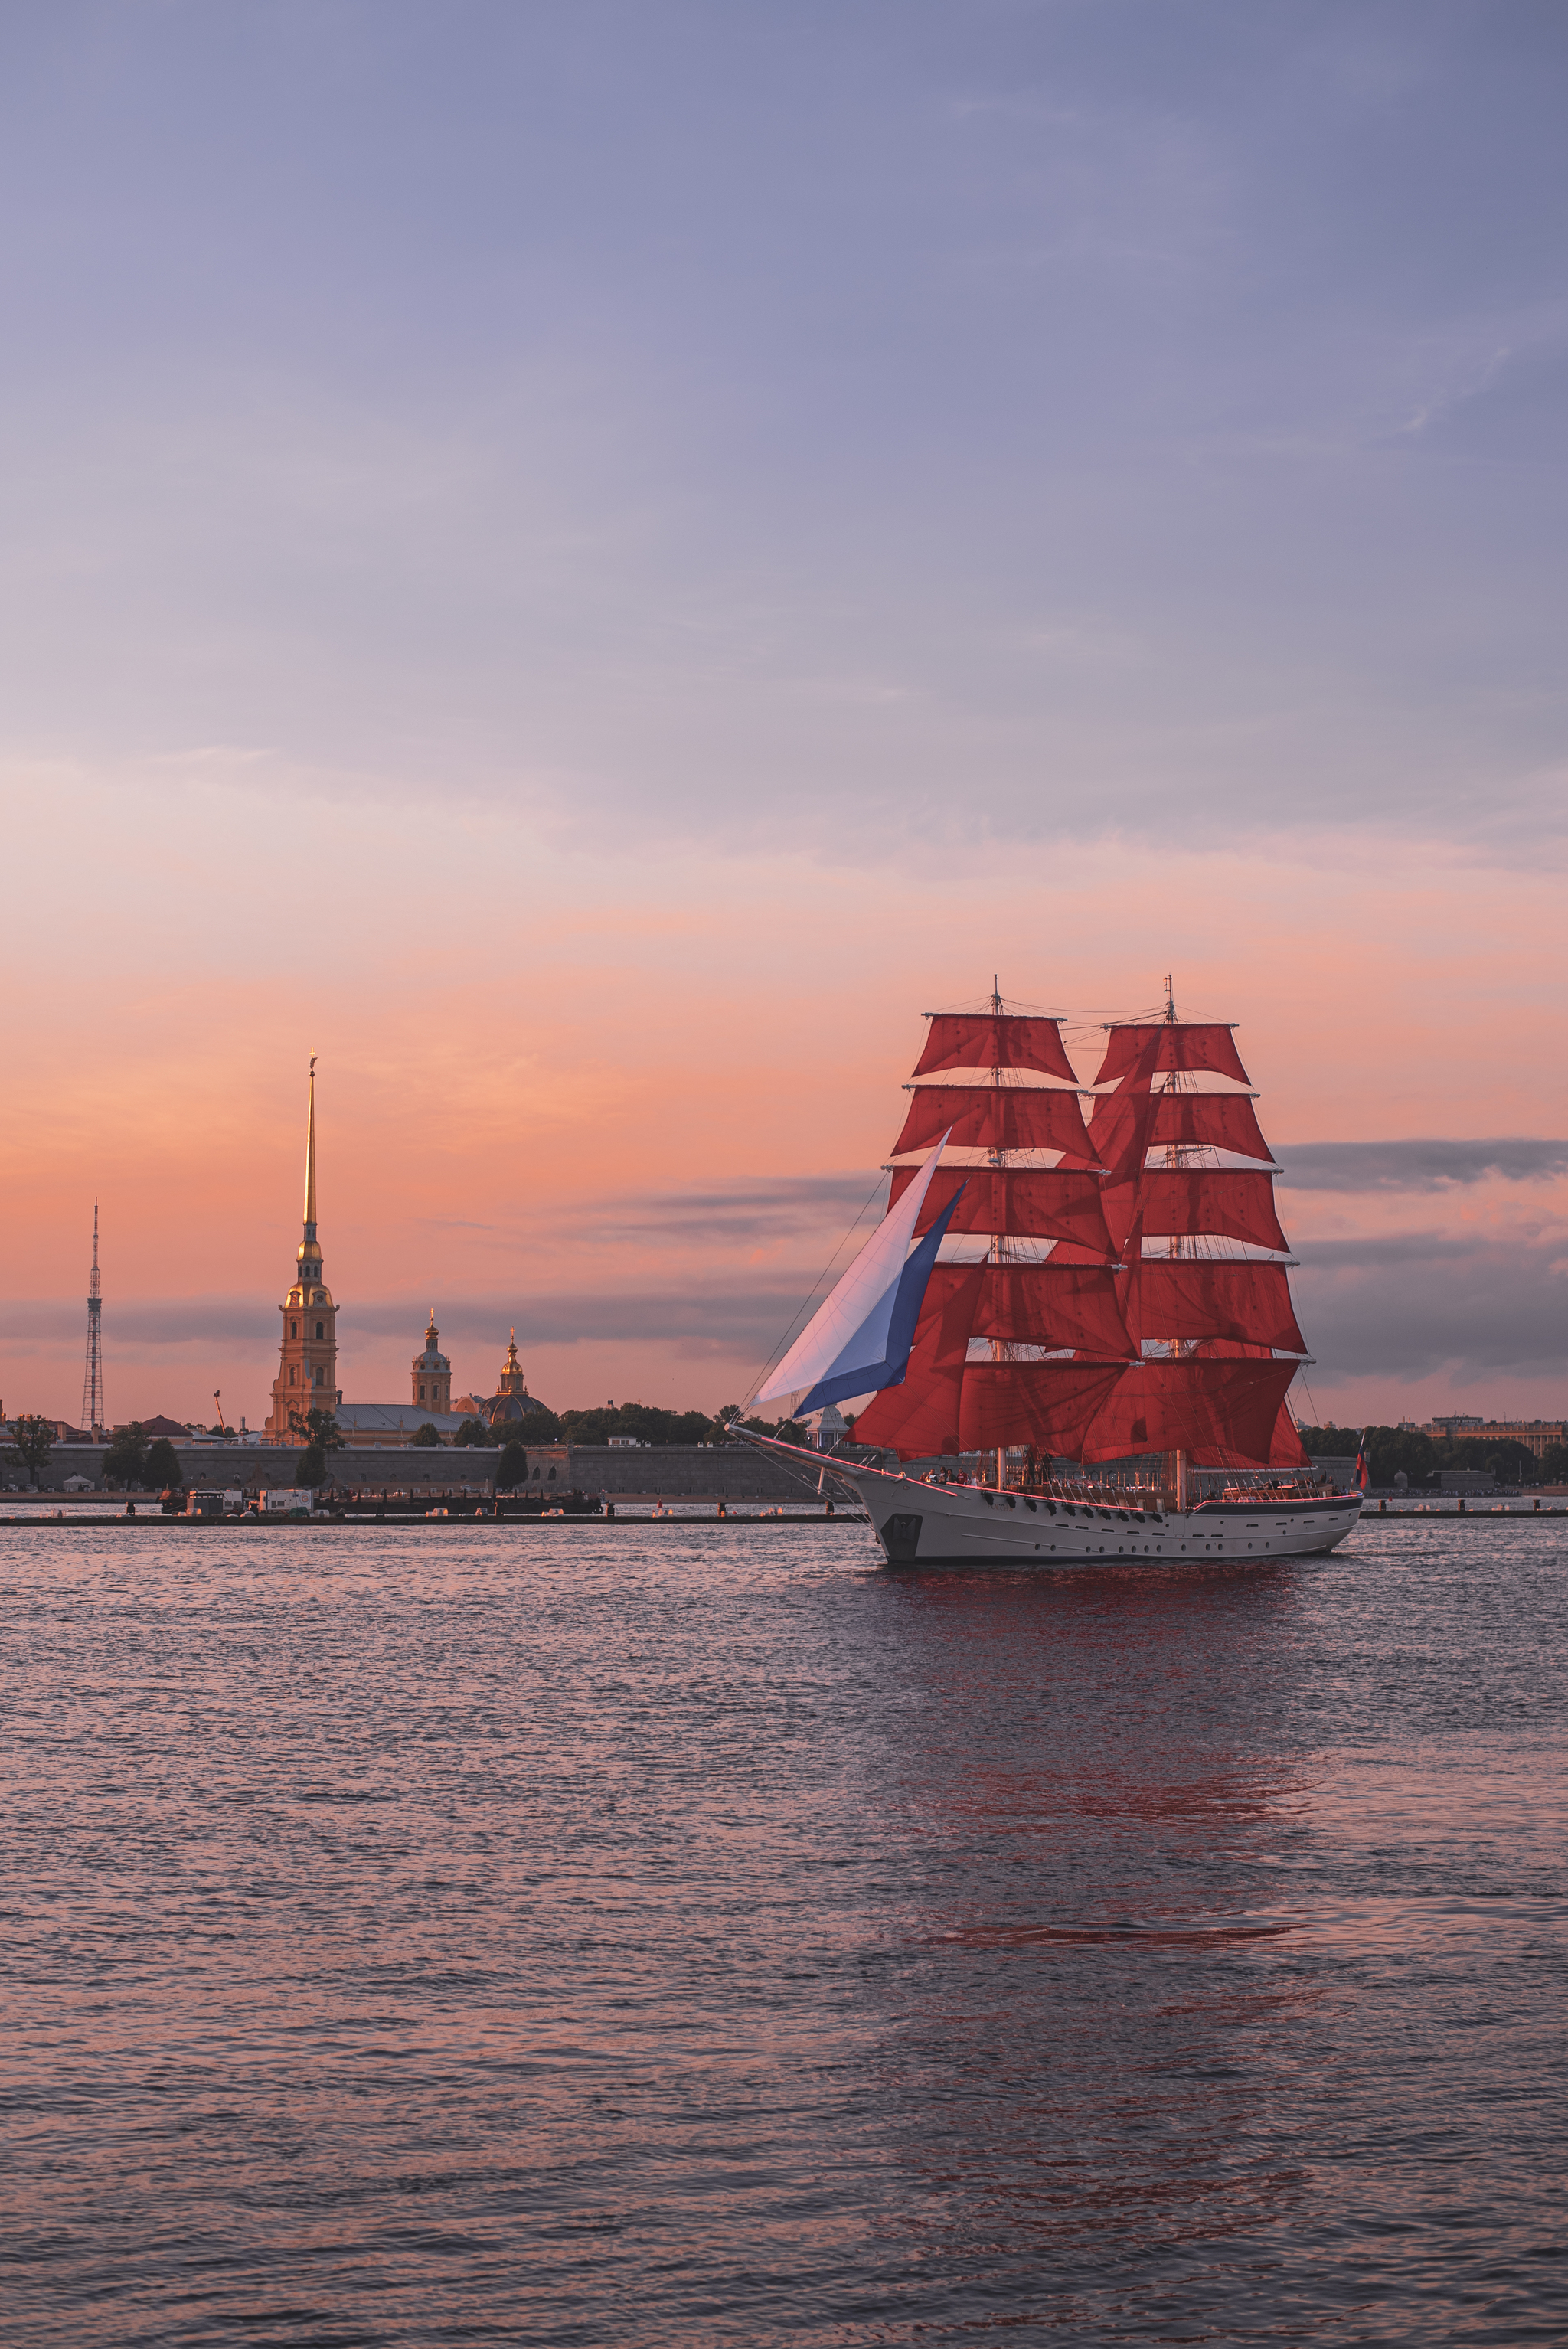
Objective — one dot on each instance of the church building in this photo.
(307, 1356)
(432, 1372)
(307, 1361)
(430, 1403)
(509, 1409)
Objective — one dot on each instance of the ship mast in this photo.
(997, 1252)
(1175, 1464)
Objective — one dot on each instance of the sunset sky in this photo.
(588, 565)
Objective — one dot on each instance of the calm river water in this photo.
(690, 1935)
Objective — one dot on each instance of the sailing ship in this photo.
(1058, 1294)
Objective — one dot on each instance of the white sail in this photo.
(850, 1333)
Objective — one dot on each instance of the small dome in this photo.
(432, 1359)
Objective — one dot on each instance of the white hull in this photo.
(969, 1524)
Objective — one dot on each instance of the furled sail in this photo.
(994, 1040)
(997, 1117)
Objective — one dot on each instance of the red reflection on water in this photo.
(1094, 1801)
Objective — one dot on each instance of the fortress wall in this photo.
(733, 1470)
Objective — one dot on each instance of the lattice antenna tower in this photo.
(92, 1375)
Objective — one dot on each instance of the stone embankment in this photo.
(729, 1472)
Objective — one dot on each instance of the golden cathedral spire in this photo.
(310, 1158)
(307, 1361)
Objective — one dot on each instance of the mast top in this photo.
(310, 1157)
(1170, 999)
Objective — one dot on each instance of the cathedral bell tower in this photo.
(308, 1360)
(432, 1382)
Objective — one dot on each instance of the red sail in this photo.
(1125, 1124)
(948, 1404)
(1054, 1305)
(1192, 1045)
(1286, 1451)
(1194, 1406)
(997, 1117)
(1023, 1203)
(1199, 1297)
(1222, 1200)
(987, 1040)
(920, 1417)
(1211, 1121)
(1051, 1405)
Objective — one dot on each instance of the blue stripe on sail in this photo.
(869, 1378)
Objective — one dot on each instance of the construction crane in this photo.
(222, 1429)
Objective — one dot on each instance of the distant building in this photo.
(362, 1424)
(307, 1361)
(1467, 1480)
(307, 1354)
(1537, 1434)
(430, 1403)
(432, 1373)
(510, 1407)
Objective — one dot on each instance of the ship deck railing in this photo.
(1091, 1492)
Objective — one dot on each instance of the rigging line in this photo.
(777, 1353)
